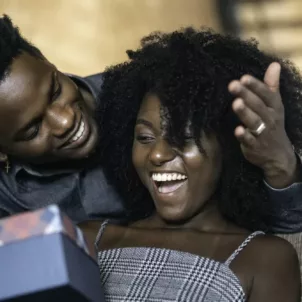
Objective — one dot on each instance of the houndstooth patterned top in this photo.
(162, 275)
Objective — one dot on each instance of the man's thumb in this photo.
(272, 76)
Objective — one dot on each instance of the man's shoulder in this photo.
(93, 82)
(95, 78)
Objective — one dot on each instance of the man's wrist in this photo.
(285, 173)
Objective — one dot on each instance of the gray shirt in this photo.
(86, 194)
(82, 194)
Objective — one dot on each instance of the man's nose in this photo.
(61, 119)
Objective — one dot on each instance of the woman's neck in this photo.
(208, 219)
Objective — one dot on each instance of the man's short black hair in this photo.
(12, 44)
(190, 71)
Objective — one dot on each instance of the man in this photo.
(48, 136)
(47, 129)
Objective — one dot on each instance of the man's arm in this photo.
(287, 215)
(259, 106)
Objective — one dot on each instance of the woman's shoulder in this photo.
(105, 235)
(274, 265)
(274, 247)
(269, 253)
(260, 245)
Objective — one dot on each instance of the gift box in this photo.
(44, 257)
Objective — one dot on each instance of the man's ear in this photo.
(3, 157)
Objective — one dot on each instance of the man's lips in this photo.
(79, 136)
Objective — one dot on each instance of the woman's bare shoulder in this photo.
(275, 268)
(275, 247)
(110, 237)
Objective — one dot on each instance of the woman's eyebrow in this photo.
(144, 122)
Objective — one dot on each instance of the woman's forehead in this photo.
(153, 108)
(150, 106)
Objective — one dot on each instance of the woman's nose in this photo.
(161, 153)
(61, 119)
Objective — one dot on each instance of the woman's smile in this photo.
(168, 182)
(169, 188)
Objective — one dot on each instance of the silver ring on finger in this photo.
(259, 130)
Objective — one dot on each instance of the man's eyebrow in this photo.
(144, 122)
(51, 86)
(49, 98)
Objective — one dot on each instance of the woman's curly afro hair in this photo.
(189, 71)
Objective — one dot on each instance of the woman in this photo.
(192, 188)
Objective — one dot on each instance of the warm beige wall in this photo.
(85, 36)
(283, 31)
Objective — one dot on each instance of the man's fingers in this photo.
(244, 136)
(271, 99)
(247, 116)
(251, 100)
(272, 76)
(267, 91)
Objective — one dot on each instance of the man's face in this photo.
(43, 115)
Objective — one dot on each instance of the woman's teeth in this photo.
(79, 133)
(168, 182)
(168, 176)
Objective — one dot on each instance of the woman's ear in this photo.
(3, 157)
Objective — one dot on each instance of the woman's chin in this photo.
(173, 215)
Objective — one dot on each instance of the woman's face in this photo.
(179, 181)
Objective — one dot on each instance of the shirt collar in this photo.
(90, 85)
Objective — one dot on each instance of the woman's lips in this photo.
(168, 182)
(170, 187)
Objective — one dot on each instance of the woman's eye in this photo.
(144, 139)
(33, 132)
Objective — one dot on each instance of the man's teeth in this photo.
(79, 133)
(168, 176)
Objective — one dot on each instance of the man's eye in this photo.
(32, 133)
(57, 92)
(144, 139)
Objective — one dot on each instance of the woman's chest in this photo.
(208, 245)
(205, 247)
(168, 264)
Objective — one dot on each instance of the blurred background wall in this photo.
(277, 24)
(85, 36)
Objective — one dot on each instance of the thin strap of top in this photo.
(242, 246)
(228, 261)
(100, 233)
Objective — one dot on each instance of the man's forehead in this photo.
(26, 85)
(27, 68)
(27, 77)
